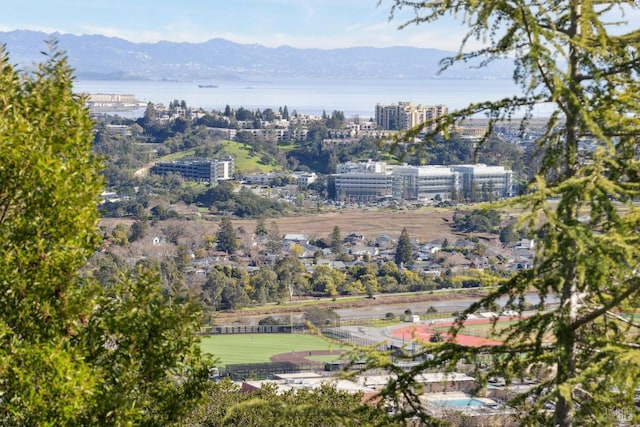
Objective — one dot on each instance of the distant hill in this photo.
(100, 57)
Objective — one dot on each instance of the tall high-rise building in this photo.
(406, 115)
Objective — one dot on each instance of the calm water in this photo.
(353, 97)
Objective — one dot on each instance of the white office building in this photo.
(374, 181)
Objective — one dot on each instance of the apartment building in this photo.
(208, 170)
(406, 115)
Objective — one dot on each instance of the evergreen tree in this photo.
(336, 241)
(274, 239)
(404, 249)
(138, 229)
(261, 228)
(578, 57)
(226, 238)
(74, 352)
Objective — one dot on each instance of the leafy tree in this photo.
(291, 276)
(576, 56)
(234, 295)
(404, 249)
(213, 287)
(327, 280)
(270, 320)
(265, 285)
(318, 316)
(142, 340)
(60, 330)
(183, 257)
(226, 238)
(509, 234)
(120, 235)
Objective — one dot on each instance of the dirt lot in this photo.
(425, 224)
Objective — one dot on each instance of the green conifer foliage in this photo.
(404, 249)
(580, 57)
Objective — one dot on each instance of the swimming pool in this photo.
(460, 403)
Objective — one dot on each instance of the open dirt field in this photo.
(425, 224)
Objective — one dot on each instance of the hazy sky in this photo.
(297, 23)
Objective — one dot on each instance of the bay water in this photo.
(309, 96)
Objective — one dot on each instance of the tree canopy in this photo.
(73, 352)
(581, 58)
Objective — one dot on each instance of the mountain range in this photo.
(109, 58)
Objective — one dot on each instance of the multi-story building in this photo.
(207, 170)
(110, 99)
(364, 186)
(491, 179)
(427, 182)
(371, 181)
(406, 115)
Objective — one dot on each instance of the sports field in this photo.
(258, 348)
(475, 333)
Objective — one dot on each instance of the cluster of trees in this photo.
(242, 204)
(226, 405)
(478, 221)
(229, 287)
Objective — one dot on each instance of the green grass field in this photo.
(258, 348)
(244, 161)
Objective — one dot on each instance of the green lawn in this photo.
(244, 162)
(258, 348)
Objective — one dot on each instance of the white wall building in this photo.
(372, 181)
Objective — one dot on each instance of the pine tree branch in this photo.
(606, 308)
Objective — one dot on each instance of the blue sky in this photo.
(298, 23)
